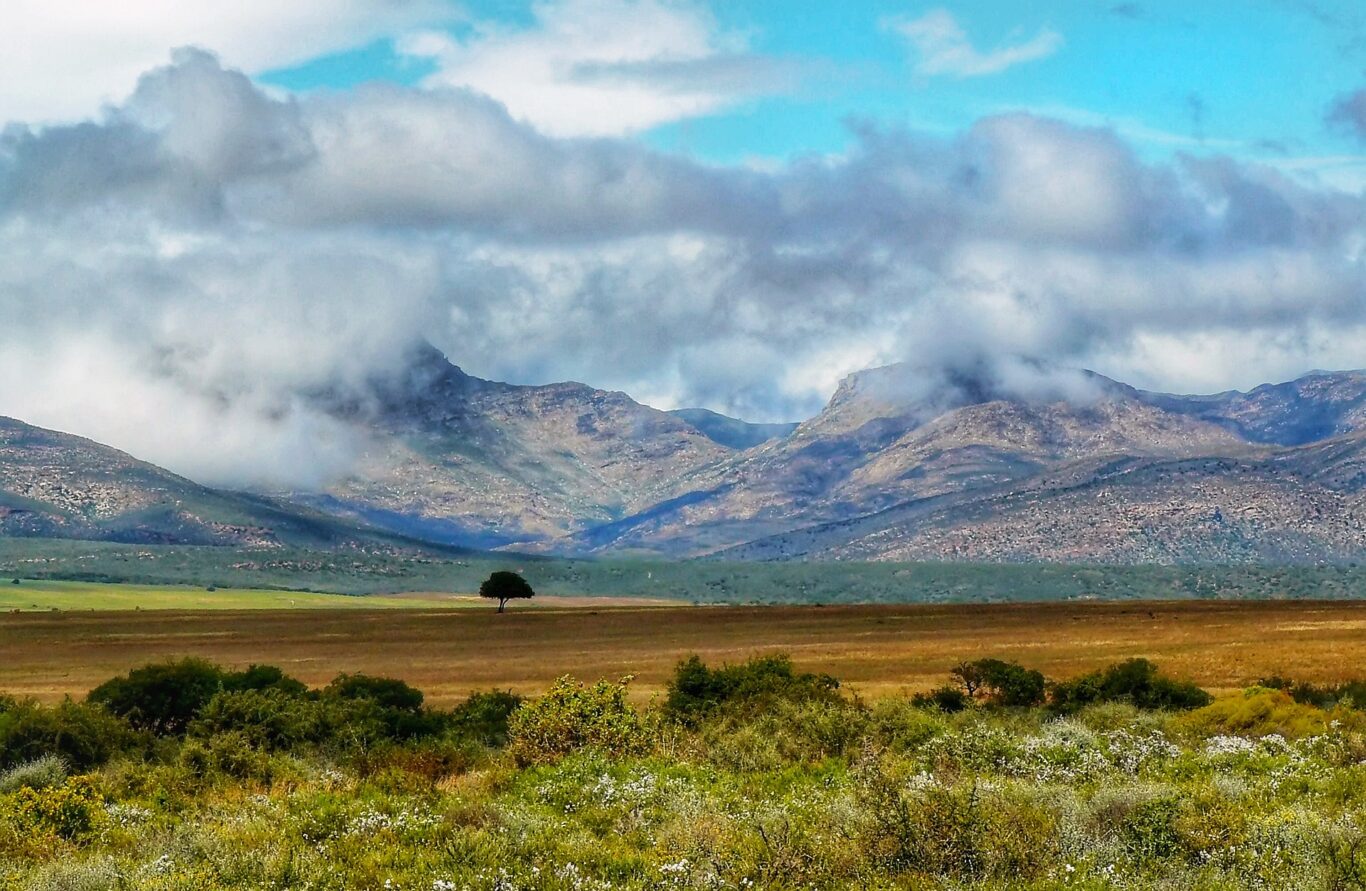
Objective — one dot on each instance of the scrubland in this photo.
(756, 774)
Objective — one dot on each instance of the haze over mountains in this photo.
(1010, 462)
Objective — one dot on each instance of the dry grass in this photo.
(876, 649)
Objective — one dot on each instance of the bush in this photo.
(904, 726)
(697, 690)
(231, 753)
(1001, 683)
(786, 733)
(961, 831)
(1351, 693)
(70, 811)
(387, 693)
(269, 718)
(1257, 711)
(947, 699)
(263, 677)
(484, 717)
(81, 735)
(398, 705)
(572, 716)
(166, 697)
(1135, 681)
(40, 773)
(161, 698)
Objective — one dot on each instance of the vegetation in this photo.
(697, 691)
(29, 595)
(378, 570)
(1135, 681)
(748, 775)
(503, 586)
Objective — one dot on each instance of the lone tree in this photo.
(504, 586)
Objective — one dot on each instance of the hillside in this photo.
(463, 460)
(1011, 463)
(1023, 462)
(869, 451)
(54, 485)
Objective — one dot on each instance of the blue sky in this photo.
(1250, 79)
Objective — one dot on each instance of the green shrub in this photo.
(1135, 681)
(483, 717)
(1351, 693)
(696, 690)
(231, 753)
(961, 832)
(904, 726)
(1001, 683)
(947, 699)
(271, 718)
(162, 698)
(354, 712)
(81, 735)
(1256, 711)
(275, 720)
(69, 811)
(40, 773)
(387, 693)
(572, 716)
(788, 732)
(263, 677)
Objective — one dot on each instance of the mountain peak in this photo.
(919, 394)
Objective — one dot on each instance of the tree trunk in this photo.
(502, 602)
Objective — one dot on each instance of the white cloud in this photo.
(602, 67)
(943, 47)
(63, 59)
(186, 298)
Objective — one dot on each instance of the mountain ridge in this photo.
(1015, 460)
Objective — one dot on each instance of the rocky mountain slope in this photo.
(1297, 506)
(1019, 461)
(455, 458)
(55, 485)
(871, 449)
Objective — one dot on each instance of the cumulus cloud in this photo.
(942, 47)
(63, 59)
(604, 67)
(185, 274)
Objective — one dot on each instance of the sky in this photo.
(209, 213)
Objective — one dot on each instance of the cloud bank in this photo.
(64, 59)
(178, 275)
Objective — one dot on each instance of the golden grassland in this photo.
(875, 650)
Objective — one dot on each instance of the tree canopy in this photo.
(504, 586)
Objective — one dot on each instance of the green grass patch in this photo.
(63, 595)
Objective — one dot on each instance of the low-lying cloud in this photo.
(180, 274)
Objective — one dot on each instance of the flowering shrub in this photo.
(573, 716)
(591, 794)
(70, 810)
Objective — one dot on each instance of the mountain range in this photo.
(1019, 461)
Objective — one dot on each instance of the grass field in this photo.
(368, 572)
(45, 596)
(61, 595)
(876, 650)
